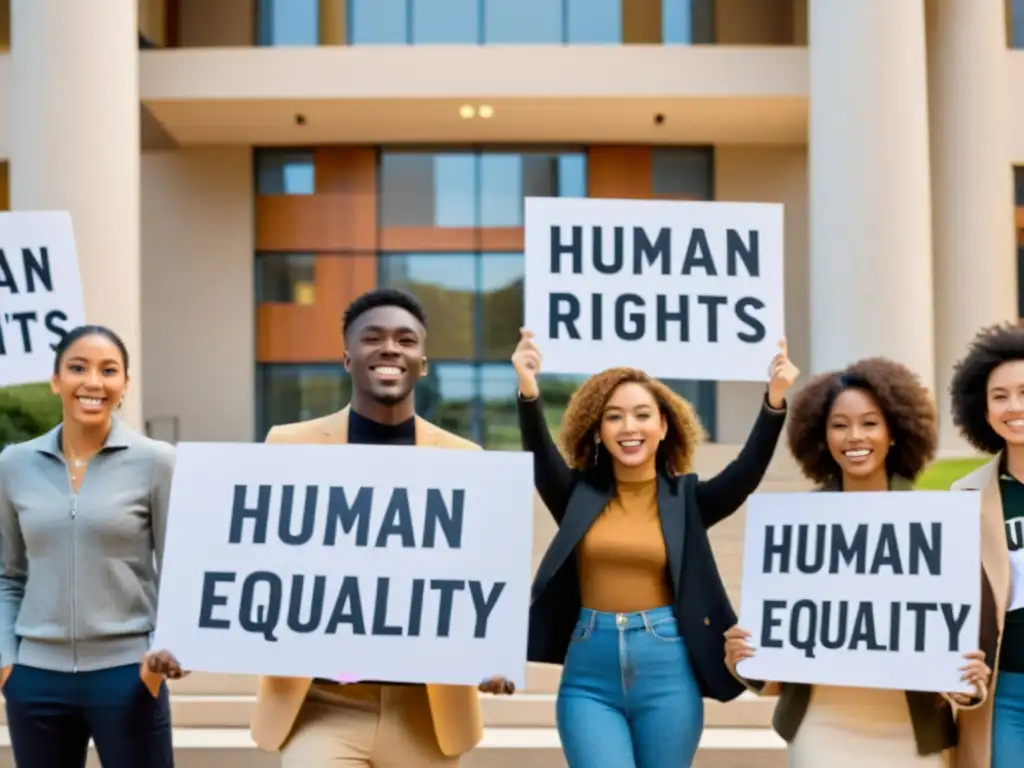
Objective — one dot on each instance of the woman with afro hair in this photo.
(628, 596)
(987, 392)
(870, 427)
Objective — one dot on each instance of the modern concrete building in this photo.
(238, 170)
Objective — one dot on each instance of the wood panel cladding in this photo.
(339, 223)
(619, 172)
(1018, 217)
(449, 239)
(311, 333)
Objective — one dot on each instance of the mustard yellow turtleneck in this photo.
(621, 560)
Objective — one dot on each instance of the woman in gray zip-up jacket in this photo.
(83, 512)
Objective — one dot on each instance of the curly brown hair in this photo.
(992, 347)
(908, 408)
(582, 420)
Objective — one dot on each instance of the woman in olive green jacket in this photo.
(871, 427)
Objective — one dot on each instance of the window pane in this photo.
(445, 21)
(290, 393)
(556, 389)
(1018, 178)
(378, 21)
(424, 190)
(500, 416)
(1017, 24)
(445, 283)
(286, 172)
(572, 175)
(1020, 281)
(288, 22)
(682, 172)
(523, 21)
(286, 277)
(594, 21)
(447, 397)
(501, 304)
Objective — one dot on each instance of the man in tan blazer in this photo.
(321, 723)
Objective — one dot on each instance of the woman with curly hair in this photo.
(988, 406)
(871, 427)
(628, 596)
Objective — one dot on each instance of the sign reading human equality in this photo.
(878, 590)
(684, 290)
(40, 292)
(348, 562)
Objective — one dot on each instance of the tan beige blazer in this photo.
(455, 709)
(975, 725)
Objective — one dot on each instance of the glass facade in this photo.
(1016, 23)
(489, 22)
(1018, 179)
(473, 293)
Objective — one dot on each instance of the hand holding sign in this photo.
(526, 361)
(783, 374)
(977, 673)
(737, 647)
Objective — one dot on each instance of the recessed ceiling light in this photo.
(486, 111)
(466, 112)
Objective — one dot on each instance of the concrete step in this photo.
(500, 748)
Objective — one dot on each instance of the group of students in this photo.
(628, 597)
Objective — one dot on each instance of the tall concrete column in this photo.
(74, 113)
(871, 276)
(972, 181)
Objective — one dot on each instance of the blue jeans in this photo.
(1008, 721)
(51, 715)
(628, 697)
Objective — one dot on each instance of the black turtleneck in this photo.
(366, 431)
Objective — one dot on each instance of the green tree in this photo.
(27, 411)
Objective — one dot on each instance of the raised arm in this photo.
(721, 495)
(551, 475)
(13, 567)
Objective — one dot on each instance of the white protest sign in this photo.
(877, 590)
(682, 290)
(40, 292)
(348, 562)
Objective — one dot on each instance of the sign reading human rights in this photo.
(879, 590)
(684, 290)
(40, 292)
(348, 562)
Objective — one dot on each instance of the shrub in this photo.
(27, 411)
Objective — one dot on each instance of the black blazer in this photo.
(688, 507)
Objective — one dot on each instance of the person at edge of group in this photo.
(628, 595)
(83, 512)
(318, 723)
(987, 392)
(870, 427)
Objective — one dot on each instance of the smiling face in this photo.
(1005, 400)
(91, 380)
(385, 355)
(632, 426)
(857, 434)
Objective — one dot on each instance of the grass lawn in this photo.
(942, 474)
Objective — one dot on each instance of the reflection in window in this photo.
(446, 396)
(445, 283)
(1018, 182)
(288, 278)
(501, 304)
(284, 172)
(378, 21)
(445, 21)
(289, 393)
(428, 190)
(288, 22)
(556, 390)
(683, 172)
(594, 21)
(461, 189)
(498, 387)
